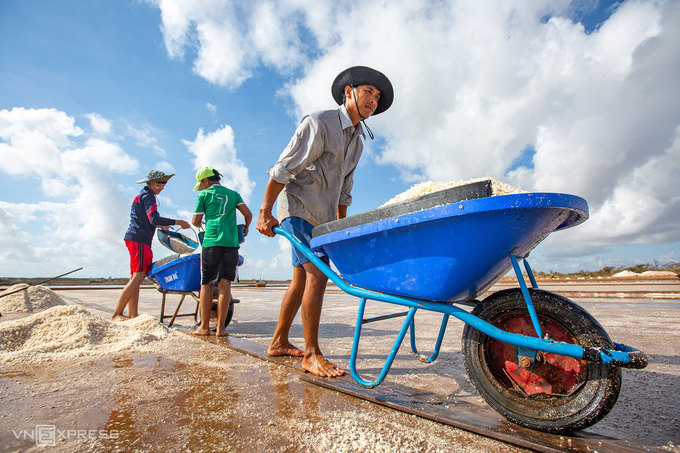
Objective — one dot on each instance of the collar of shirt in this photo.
(346, 121)
(148, 190)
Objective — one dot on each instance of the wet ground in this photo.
(196, 395)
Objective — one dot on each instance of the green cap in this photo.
(205, 172)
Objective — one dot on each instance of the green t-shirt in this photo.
(218, 206)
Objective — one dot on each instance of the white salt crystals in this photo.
(69, 331)
(418, 190)
(30, 300)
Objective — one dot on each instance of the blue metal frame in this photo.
(437, 345)
(623, 356)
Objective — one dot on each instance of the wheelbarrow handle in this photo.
(318, 262)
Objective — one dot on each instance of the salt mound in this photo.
(69, 331)
(418, 190)
(626, 274)
(33, 299)
(657, 273)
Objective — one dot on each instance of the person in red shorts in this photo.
(144, 219)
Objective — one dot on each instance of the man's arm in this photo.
(247, 215)
(266, 221)
(342, 211)
(197, 220)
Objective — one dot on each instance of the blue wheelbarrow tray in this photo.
(178, 273)
(451, 252)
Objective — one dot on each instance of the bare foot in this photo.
(317, 364)
(201, 332)
(120, 318)
(287, 349)
(221, 333)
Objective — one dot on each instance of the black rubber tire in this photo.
(583, 407)
(227, 320)
(230, 313)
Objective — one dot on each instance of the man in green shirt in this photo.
(219, 254)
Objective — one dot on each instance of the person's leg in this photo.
(209, 270)
(296, 294)
(205, 303)
(141, 258)
(133, 303)
(312, 302)
(129, 296)
(223, 301)
(280, 345)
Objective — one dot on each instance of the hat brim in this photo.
(164, 178)
(362, 75)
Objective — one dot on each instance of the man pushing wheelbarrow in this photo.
(313, 181)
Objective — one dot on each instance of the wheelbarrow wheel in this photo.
(556, 394)
(227, 320)
(230, 313)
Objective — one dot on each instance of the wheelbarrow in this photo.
(180, 273)
(537, 358)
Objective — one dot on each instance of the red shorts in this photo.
(141, 257)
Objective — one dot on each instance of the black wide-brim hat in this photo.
(362, 75)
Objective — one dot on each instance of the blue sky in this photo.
(578, 97)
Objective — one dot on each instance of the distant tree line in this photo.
(608, 271)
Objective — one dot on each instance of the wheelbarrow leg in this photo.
(198, 304)
(174, 315)
(390, 357)
(437, 346)
(162, 317)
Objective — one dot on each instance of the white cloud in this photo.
(32, 139)
(231, 39)
(145, 135)
(274, 36)
(87, 215)
(99, 125)
(216, 149)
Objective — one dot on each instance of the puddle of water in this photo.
(153, 403)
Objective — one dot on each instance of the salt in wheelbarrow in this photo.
(176, 241)
(537, 358)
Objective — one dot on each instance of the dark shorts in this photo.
(302, 230)
(217, 263)
(141, 257)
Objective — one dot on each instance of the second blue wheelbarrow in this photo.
(537, 358)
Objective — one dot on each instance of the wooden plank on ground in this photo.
(478, 419)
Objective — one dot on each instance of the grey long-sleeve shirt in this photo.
(317, 167)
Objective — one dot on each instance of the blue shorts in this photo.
(302, 230)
